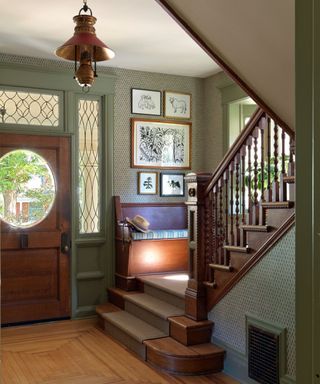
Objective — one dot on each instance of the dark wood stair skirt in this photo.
(152, 324)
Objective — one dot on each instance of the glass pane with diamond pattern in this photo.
(89, 175)
(29, 108)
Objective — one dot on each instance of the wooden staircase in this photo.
(152, 324)
(238, 213)
(235, 216)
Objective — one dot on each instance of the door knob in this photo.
(65, 242)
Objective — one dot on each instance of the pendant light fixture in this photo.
(85, 49)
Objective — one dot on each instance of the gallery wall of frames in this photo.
(161, 148)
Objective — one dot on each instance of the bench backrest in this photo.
(159, 215)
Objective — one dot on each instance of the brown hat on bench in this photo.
(139, 222)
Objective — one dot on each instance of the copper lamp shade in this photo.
(85, 48)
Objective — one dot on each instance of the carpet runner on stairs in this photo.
(152, 324)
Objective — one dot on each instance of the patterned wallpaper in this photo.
(125, 178)
(268, 293)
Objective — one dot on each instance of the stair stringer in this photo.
(214, 295)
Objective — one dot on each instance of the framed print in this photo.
(172, 184)
(147, 183)
(145, 102)
(160, 144)
(177, 105)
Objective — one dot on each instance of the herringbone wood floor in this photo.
(76, 352)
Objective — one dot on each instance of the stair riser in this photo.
(147, 316)
(165, 296)
(185, 366)
(125, 339)
(276, 217)
(256, 239)
(190, 336)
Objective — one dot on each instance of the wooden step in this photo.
(219, 267)
(130, 330)
(117, 296)
(168, 354)
(190, 332)
(277, 204)
(169, 290)
(289, 179)
(233, 248)
(156, 312)
(256, 228)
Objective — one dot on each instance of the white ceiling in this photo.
(140, 32)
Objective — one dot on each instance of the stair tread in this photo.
(236, 248)
(164, 283)
(289, 179)
(169, 346)
(278, 204)
(186, 322)
(106, 308)
(133, 326)
(152, 304)
(256, 228)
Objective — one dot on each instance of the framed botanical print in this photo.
(147, 183)
(160, 144)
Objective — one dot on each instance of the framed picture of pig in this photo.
(177, 105)
(145, 102)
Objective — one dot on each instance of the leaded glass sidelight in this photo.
(29, 108)
(89, 166)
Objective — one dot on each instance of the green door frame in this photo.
(92, 256)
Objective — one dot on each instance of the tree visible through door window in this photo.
(27, 188)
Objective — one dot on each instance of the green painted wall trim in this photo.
(308, 189)
(91, 261)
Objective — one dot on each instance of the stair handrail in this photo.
(238, 143)
(256, 173)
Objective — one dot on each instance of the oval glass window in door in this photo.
(27, 188)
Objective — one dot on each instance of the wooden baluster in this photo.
(283, 185)
(283, 152)
(221, 226)
(291, 166)
(249, 144)
(243, 153)
(255, 208)
(237, 202)
(215, 225)
(226, 217)
(262, 198)
(269, 189)
(231, 202)
(275, 189)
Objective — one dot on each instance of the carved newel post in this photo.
(195, 296)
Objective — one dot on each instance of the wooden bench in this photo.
(138, 257)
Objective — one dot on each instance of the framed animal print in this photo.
(145, 102)
(160, 144)
(177, 105)
(171, 184)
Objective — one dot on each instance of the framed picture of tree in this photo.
(160, 144)
(147, 183)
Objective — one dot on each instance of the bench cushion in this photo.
(160, 234)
